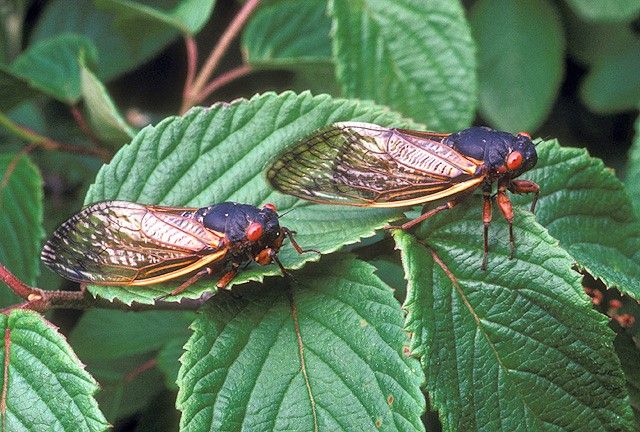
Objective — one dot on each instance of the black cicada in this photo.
(367, 165)
(124, 243)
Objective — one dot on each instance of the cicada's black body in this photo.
(492, 148)
(233, 220)
(367, 165)
(129, 244)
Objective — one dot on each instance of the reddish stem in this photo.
(222, 81)
(12, 166)
(219, 50)
(149, 364)
(84, 125)
(16, 285)
(47, 143)
(192, 64)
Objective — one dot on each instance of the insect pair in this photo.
(358, 164)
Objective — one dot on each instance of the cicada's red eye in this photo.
(254, 231)
(514, 160)
(525, 134)
(271, 207)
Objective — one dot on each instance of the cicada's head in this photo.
(503, 154)
(243, 225)
(520, 156)
(265, 230)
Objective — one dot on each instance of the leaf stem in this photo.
(148, 365)
(194, 96)
(224, 79)
(40, 300)
(192, 64)
(4, 181)
(50, 144)
(83, 125)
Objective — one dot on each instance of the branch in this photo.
(41, 300)
(218, 52)
(50, 144)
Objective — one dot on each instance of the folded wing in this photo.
(363, 164)
(123, 243)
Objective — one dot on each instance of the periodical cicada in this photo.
(367, 165)
(128, 244)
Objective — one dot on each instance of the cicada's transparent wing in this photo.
(123, 243)
(367, 165)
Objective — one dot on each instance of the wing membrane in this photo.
(367, 165)
(123, 243)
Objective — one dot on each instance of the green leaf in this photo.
(124, 334)
(104, 117)
(136, 357)
(391, 272)
(127, 386)
(589, 42)
(288, 34)
(45, 383)
(13, 90)
(160, 416)
(188, 16)
(520, 60)
(516, 347)
(51, 66)
(632, 176)
(317, 79)
(168, 360)
(613, 83)
(585, 207)
(282, 357)
(118, 52)
(217, 154)
(414, 56)
(20, 220)
(629, 353)
(606, 10)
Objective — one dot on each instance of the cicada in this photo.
(128, 244)
(367, 165)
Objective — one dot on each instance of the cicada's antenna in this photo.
(541, 139)
(286, 213)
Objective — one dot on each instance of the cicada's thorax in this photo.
(247, 230)
(504, 156)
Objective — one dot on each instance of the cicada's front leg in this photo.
(526, 186)
(506, 208)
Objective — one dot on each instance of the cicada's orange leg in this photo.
(504, 204)
(226, 278)
(486, 220)
(424, 216)
(526, 186)
(186, 284)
